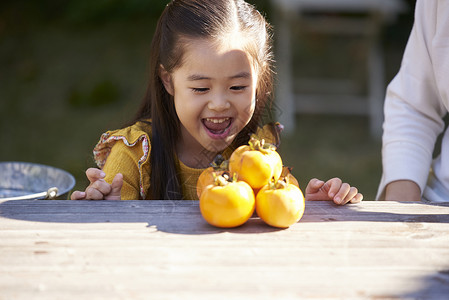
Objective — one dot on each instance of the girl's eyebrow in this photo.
(241, 75)
(196, 77)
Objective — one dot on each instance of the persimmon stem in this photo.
(278, 184)
(219, 180)
(260, 145)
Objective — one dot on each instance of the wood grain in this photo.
(165, 250)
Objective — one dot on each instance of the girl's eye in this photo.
(200, 90)
(238, 87)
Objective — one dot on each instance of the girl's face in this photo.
(214, 93)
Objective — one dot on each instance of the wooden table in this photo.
(165, 250)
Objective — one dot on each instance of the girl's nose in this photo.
(219, 103)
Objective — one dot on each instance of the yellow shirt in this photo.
(127, 151)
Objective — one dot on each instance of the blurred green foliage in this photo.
(92, 12)
(83, 11)
(70, 70)
(103, 93)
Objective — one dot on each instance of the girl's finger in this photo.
(334, 187)
(357, 198)
(116, 187)
(94, 174)
(314, 185)
(93, 194)
(102, 186)
(341, 195)
(77, 195)
(351, 194)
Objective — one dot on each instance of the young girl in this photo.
(211, 79)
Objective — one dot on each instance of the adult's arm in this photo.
(413, 109)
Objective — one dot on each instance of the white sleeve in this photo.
(413, 108)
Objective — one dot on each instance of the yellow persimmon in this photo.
(256, 163)
(227, 204)
(280, 204)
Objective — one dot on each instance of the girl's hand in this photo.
(98, 188)
(333, 189)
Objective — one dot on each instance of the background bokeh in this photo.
(70, 70)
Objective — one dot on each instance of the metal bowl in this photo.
(22, 180)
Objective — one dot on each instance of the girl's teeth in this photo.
(216, 121)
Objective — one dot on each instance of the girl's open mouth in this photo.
(217, 127)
